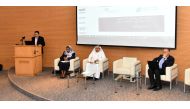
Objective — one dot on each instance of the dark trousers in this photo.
(154, 76)
(64, 66)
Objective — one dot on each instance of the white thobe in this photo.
(92, 70)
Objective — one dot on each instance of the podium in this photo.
(28, 60)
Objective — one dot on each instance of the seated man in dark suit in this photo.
(38, 40)
(163, 61)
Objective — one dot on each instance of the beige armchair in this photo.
(171, 74)
(74, 66)
(103, 66)
(127, 68)
(186, 78)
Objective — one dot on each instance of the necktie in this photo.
(161, 62)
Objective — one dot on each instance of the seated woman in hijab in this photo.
(94, 58)
(64, 63)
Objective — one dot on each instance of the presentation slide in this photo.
(148, 26)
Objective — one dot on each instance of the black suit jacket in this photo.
(39, 42)
(167, 63)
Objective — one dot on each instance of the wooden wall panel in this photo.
(58, 26)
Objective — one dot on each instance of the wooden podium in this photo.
(28, 60)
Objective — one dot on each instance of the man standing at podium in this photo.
(38, 40)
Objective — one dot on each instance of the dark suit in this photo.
(154, 74)
(40, 41)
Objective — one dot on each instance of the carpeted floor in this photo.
(54, 88)
(8, 92)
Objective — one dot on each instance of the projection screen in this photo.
(148, 26)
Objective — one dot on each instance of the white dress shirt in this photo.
(36, 40)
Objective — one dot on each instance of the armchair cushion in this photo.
(122, 71)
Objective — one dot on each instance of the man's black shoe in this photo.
(157, 88)
(89, 78)
(151, 87)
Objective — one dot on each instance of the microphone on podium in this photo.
(22, 40)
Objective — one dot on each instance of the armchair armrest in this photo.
(104, 60)
(116, 64)
(146, 71)
(136, 67)
(172, 71)
(171, 67)
(137, 63)
(84, 64)
(103, 64)
(56, 61)
(147, 67)
(74, 63)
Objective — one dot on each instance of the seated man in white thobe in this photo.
(92, 67)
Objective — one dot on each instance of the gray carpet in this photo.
(54, 88)
(8, 92)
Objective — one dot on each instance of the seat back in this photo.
(128, 61)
